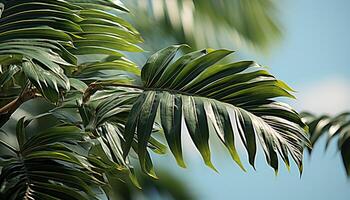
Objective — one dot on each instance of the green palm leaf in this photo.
(235, 99)
(104, 115)
(52, 164)
(333, 127)
(108, 70)
(47, 38)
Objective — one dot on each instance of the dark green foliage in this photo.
(52, 164)
(44, 39)
(204, 93)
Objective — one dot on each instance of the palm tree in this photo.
(107, 111)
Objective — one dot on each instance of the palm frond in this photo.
(104, 115)
(52, 164)
(334, 127)
(46, 39)
(235, 99)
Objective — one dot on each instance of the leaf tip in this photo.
(239, 163)
(300, 166)
(151, 173)
(181, 163)
(288, 166)
(211, 166)
(251, 162)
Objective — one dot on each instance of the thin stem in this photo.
(93, 87)
(7, 110)
(151, 89)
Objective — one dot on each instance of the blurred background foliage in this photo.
(234, 24)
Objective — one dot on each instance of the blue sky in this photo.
(312, 57)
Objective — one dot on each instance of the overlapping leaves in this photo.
(236, 99)
(52, 164)
(333, 127)
(104, 115)
(48, 37)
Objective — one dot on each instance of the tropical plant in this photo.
(107, 111)
(333, 127)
